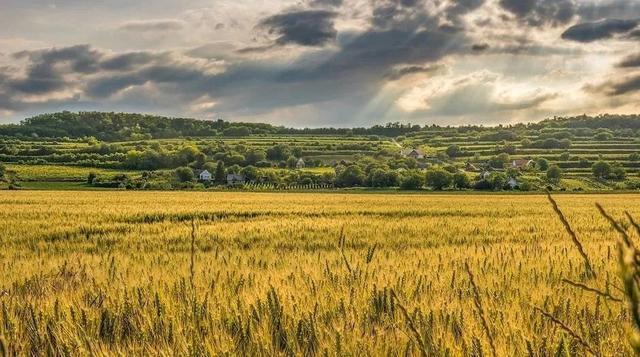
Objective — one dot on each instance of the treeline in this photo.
(126, 126)
(130, 126)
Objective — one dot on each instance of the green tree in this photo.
(634, 156)
(184, 174)
(220, 173)
(235, 159)
(350, 176)
(237, 131)
(601, 169)
(454, 151)
(497, 180)
(412, 180)
(252, 157)
(438, 179)
(379, 177)
(542, 164)
(91, 178)
(554, 174)
(291, 162)
(618, 173)
(461, 180)
(250, 173)
(278, 152)
(3, 171)
(498, 162)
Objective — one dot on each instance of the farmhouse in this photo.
(204, 175)
(300, 164)
(522, 164)
(470, 167)
(235, 179)
(413, 153)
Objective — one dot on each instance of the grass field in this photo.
(193, 273)
(60, 173)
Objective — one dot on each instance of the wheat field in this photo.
(186, 273)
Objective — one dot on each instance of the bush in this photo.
(413, 180)
(438, 179)
(237, 131)
(618, 173)
(184, 174)
(91, 178)
(542, 164)
(601, 169)
(554, 174)
(350, 176)
(461, 180)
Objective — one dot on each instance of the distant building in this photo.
(470, 167)
(513, 183)
(300, 164)
(413, 153)
(204, 175)
(235, 179)
(522, 164)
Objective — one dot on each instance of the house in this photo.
(513, 183)
(522, 164)
(300, 164)
(204, 175)
(235, 179)
(470, 167)
(413, 153)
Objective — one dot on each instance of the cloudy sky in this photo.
(322, 62)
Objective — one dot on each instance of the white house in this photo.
(513, 183)
(205, 175)
(300, 164)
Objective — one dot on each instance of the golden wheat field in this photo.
(186, 273)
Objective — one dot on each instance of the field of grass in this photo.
(193, 273)
(60, 173)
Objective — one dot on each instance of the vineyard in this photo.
(194, 273)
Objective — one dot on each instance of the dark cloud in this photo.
(480, 47)
(590, 11)
(398, 73)
(630, 61)
(325, 3)
(153, 26)
(126, 61)
(599, 30)
(458, 8)
(305, 28)
(626, 86)
(388, 14)
(46, 71)
(541, 12)
(107, 86)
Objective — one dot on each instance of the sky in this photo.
(316, 63)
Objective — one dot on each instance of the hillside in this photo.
(131, 126)
(144, 152)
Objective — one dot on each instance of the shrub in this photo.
(91, 178)
(184, 174)
(461, 180)
(350, 176)
(554, 174)
(601, 169)
(413, 180)
(438, 179)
